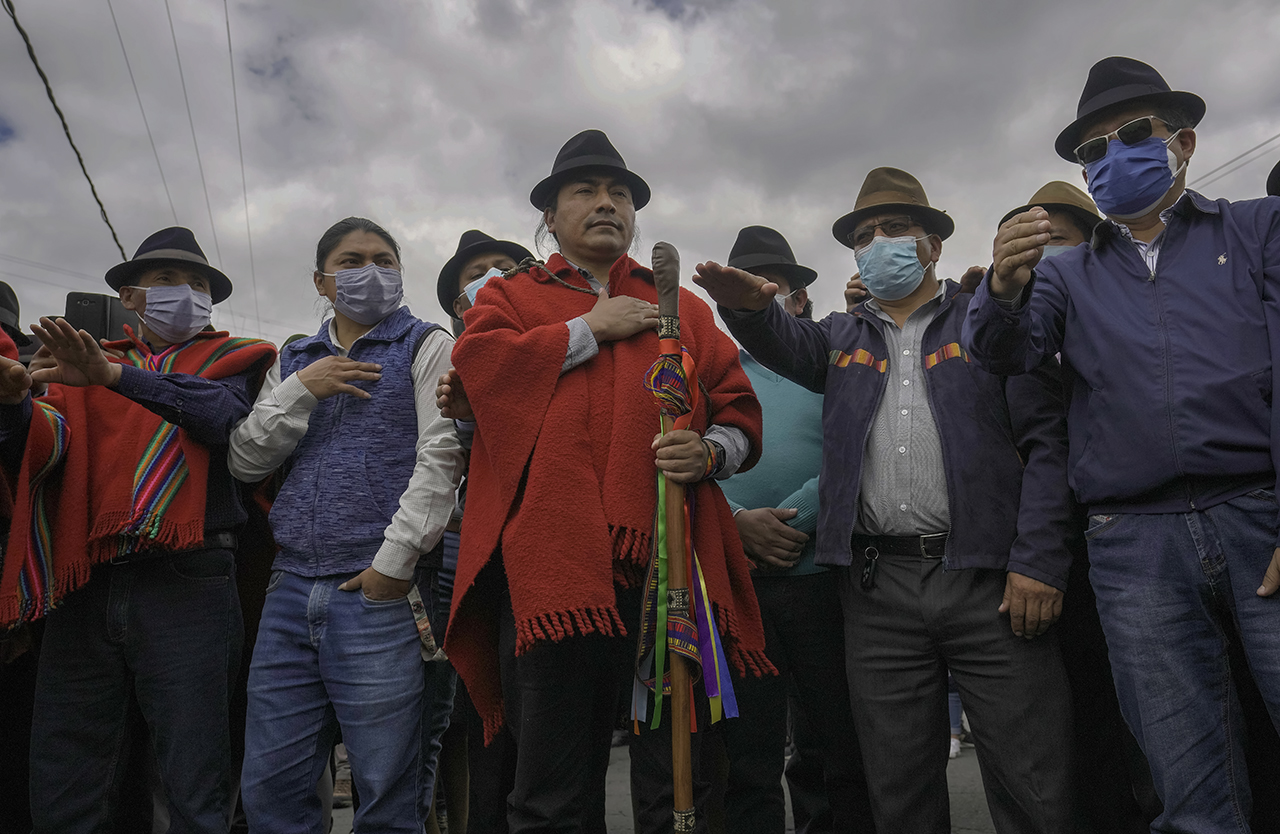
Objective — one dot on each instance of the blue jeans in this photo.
(167, 631)
(1172, 590)
(327, 658)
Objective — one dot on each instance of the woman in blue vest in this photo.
(371, 473)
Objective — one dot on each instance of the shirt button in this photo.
(906, 382)
(906, 353)
(902, 449)
(902, 507)
(904, 412)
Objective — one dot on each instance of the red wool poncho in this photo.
(562, 480)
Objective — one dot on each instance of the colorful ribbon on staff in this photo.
(673, 381)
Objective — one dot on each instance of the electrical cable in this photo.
(50, 267)
(143, 110)
(182, 78)
(1202, 182)
(1207, 174)
(244, 187)
(31, 51)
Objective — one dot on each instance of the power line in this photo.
(38, 265)
(13, 15)
(1208, 174)
(143, 110)
(244, 187)
(208, 205)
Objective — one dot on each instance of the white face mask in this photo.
(175, 312)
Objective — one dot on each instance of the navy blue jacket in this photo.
(1171, 406)
(1003, 514)
(347, 474)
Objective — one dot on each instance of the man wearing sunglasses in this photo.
(1171, 320)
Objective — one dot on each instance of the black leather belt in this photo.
(930, 547)
(225, 540)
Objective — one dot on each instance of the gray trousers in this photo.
(901, 637)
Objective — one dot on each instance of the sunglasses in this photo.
(1131, 134)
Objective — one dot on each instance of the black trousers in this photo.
(804, 639)
(562, 701)
(901, 636)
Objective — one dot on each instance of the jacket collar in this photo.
(1187, 204)
(948, 289)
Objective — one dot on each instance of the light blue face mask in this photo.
(367, 294)
(1054, 251)
(175, 312)
(474, 287)
(890, 267)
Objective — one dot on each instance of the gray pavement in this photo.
(968, 804)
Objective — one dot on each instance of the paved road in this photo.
(968, 804)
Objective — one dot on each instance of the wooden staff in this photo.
(666, 277)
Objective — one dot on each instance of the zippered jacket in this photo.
(1173, 368)
(1004, 442)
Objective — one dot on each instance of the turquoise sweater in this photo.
(787, 475)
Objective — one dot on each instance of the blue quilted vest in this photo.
(347, 474)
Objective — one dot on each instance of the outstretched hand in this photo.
(78, 356)
(14, 381)
(734, 288)
(1017, 249)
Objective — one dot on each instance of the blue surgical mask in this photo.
(474, 287)
(175, 312)
(367, 294)
(1053, 251)
(1131, 180)
(890, 267)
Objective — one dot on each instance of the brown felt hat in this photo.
(1061, 196)
(895, 190)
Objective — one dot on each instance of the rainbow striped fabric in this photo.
(942, 354)
(35, 585)
(858, 357)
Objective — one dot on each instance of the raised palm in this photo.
(80, 361)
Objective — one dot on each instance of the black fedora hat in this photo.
(11, 315)
(1115, 81)
(589, 149)
(1273, 182)
(172, 245)
(473, 242)
(891, 189)
(759, 246)
(1061, 196)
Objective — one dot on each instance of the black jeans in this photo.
(166, 630)
(562, 700)
(804, 639)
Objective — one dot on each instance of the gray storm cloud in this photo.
(436, 117)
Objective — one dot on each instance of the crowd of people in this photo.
(1048, 488)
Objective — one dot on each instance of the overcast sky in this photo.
(436, 116)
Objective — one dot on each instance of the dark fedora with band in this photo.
(589, 149)
(1273, 182)
(174, 245)
(473, 242)
(11, 316)
(759, 247)
(889, 190)
(1118, 81)
(1061, 196)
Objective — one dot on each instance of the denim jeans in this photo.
(327, 658)
(1172, 591)
(167, 631)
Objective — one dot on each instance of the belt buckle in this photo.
(924, 550)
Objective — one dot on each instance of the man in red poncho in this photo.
(124, 526)
(562, 494)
